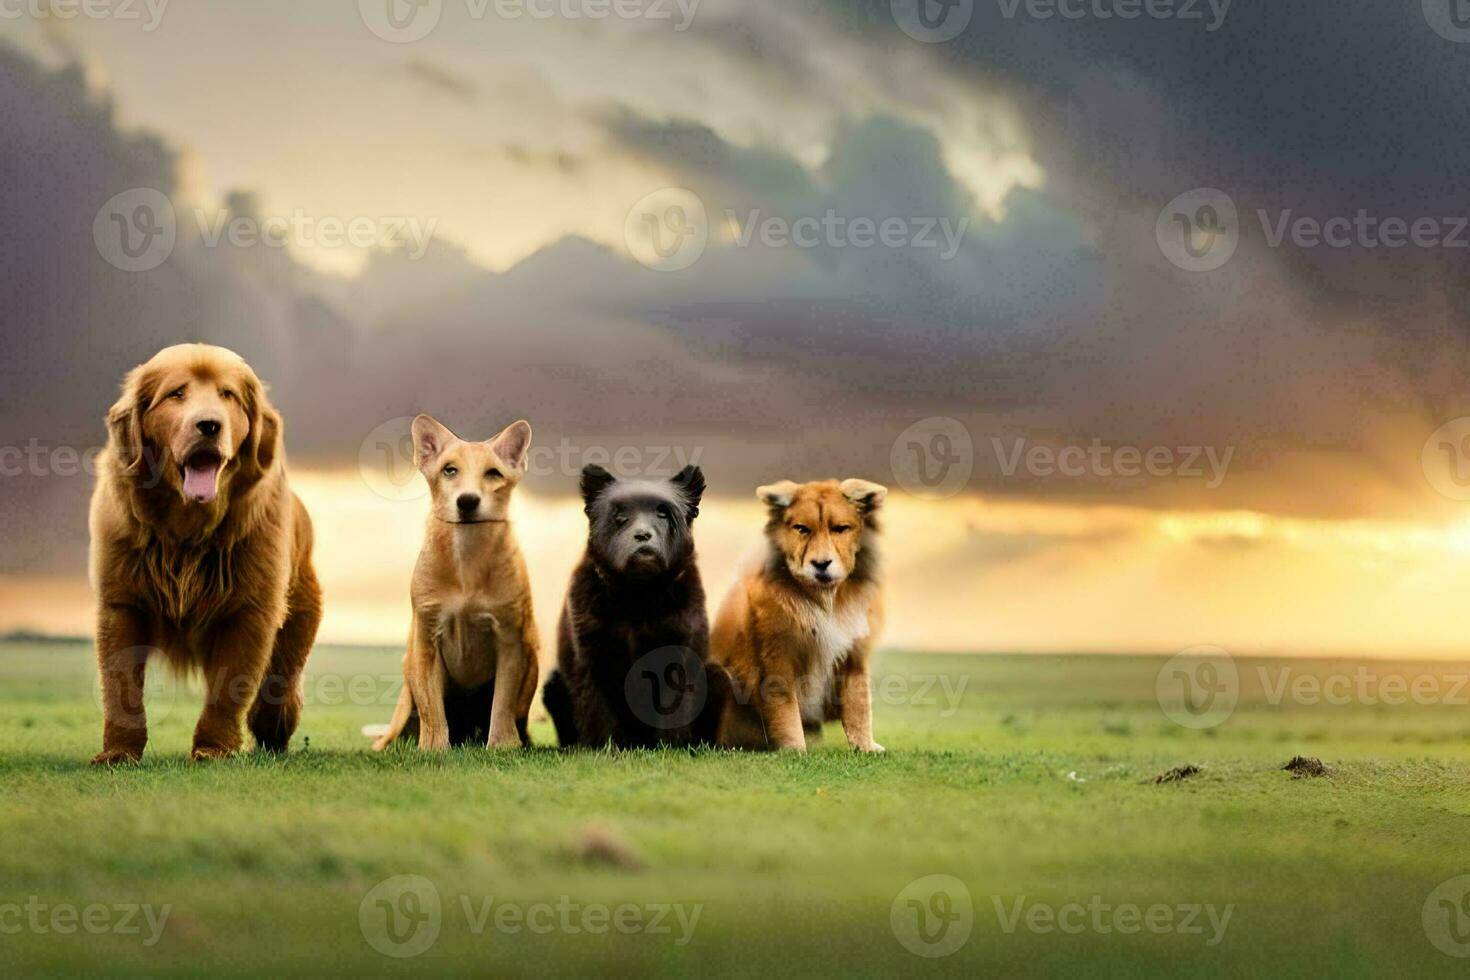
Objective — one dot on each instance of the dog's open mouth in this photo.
(201, 475)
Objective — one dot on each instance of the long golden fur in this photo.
(795, 634)
(200, 553)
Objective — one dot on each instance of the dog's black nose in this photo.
(207, 427)
(642, 536)
(468, 503)
(822, 566)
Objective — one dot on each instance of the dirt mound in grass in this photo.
(1177, 775)
(603, 846)
(1306, 767)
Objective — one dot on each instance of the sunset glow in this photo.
(963, 575)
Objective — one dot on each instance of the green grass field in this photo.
(1028, 781)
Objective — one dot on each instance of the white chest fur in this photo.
(831, 634)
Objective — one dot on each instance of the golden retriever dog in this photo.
(795, 634)
(473, 654)
(200, 552)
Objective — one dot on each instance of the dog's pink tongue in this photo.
(200, 483)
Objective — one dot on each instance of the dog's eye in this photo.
(801, 529)
(451, 470)
(227, 393)
(493, 473)
(664, 513)
(620, 519)
(841, 528)
(178, 392)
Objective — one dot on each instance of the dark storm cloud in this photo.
(689, 147)
(1309, 109)
(1083, 337)
(1321, 107)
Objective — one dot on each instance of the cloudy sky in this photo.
(1154, 319)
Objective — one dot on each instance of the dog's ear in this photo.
(125, 431)
(778, 496)
(263, 442)
(513, 445)
(595, 480)
(125, 418)
(430, 438)
(866, 497)
(690, 482)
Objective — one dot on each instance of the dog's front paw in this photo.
(871, 747)
(209, 753)
(117, 757)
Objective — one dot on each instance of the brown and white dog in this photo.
(201, 552)
(472, 662)
(795, 634)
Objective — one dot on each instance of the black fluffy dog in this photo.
(632, 645)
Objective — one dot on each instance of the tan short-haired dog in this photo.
(796, 633)
(472, 662)
(200, 551)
